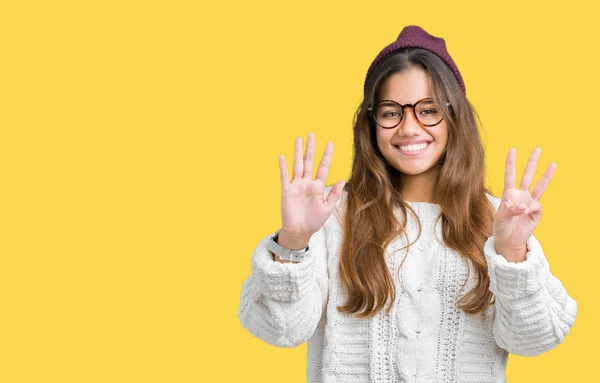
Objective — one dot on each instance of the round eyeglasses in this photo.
(388, 113)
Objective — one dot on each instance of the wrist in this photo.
(515, 255)
(284, 251)
(292, 242)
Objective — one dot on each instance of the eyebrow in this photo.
(391, 102)
(388, 102)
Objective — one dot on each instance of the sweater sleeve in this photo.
(533, 312)
(282, 303)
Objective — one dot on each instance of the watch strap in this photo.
(285, 253)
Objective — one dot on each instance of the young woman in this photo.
(412, 271)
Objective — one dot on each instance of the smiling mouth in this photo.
(411, 150)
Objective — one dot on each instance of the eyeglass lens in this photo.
(390, 113)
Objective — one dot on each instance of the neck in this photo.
(419, 188)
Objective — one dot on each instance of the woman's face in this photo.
(402, 146)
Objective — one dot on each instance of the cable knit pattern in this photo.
(424, 338)
(282, 281)
(527, 295)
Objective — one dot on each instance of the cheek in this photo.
(383, 138)
(380, 143)
(442, 136)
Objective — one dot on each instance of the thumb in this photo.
(509, 211)
(334, 194)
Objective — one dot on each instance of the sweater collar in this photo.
(425, 210)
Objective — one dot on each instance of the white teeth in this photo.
(410, 148)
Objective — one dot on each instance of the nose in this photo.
(409, 126)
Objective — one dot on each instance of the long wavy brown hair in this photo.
(374, 190)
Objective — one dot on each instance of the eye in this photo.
(429, 112)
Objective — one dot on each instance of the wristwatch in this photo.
(285, 253)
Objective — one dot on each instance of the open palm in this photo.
(520, 211)
(303, 208)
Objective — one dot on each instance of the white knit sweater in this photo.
(425, 338)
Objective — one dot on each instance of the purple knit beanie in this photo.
(414, 36)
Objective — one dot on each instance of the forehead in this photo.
(406, 87)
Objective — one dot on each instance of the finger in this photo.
(283, 172)
(297, 172)
(535, 212)
(325, 162)
(334, 194)
(509, 211)
(534, 207)
(309, 156)
(510, 173)
(541, 185)
(530, 169)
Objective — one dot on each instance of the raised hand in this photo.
(303, 208)
(520, 211)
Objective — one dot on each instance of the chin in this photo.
(412, 172)
(415, 170)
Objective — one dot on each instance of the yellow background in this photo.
(138, 166)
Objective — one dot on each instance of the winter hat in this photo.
(414, 36)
